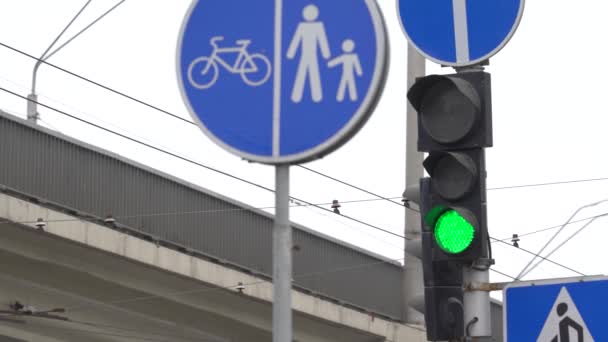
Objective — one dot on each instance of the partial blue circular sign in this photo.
(282, 81)
(459, 32)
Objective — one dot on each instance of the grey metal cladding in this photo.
(56, 168)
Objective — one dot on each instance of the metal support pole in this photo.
(32, 109)
(413, 287)
(32, 105)
(477, 315)
(281, 258)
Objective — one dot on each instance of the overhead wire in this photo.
(554, 227)
(191, 161)
(351, 185)
(213, 169)
(45, 57)
(227, 174)
(503, 274)
(112, 90)
(211, 288)
(560, 245)
(303, 167)
(492, 238)
(235, 286)
(112, 327)
(131, 337)
(549, 184)
(222, 172)
(539, 256)
(521, 273)
(140, 336)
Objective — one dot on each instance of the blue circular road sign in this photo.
(459, 32)
(282, 81)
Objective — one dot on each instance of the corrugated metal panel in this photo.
(52, 167)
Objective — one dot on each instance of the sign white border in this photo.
(343, 135)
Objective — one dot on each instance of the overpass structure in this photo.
(107, 249)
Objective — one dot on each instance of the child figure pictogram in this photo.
(350, 65)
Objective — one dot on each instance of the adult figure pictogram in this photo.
(565, 324)
(310, 37)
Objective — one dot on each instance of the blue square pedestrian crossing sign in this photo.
(282, 81)
(558, 310)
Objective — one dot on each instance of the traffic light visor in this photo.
(449, 107)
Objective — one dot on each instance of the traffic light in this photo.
(443, 286)
(454, 127)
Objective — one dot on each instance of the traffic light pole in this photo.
(477, 306)
(412, 270)
(477, 315)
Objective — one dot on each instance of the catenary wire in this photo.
(503, 274)
(589, 205)
(548, 184)
(554, 227)
(193, 123)
(185, 120)
(379, 196)
(389, 199)
(98, 84)
(351, 185)
(238, 178)
(194, 212)
(534, 254)
(492, 238)
(229, 287)
(131, 337)
(82, 31)
(227, 210)
(148, 336)
(112, 327)
(175, 155)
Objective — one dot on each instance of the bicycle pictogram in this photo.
(255, 69)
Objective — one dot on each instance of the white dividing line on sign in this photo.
(461, 31)
(278, 49)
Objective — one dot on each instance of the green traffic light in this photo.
(453, 233)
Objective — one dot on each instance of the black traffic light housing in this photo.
(454, 125)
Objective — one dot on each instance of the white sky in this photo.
(549, 120)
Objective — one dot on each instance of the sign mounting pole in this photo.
(281, 260)
(282, 326)
(305, 81)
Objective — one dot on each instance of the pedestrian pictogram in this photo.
(565, 323)
(310, 38)
(278, 81)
